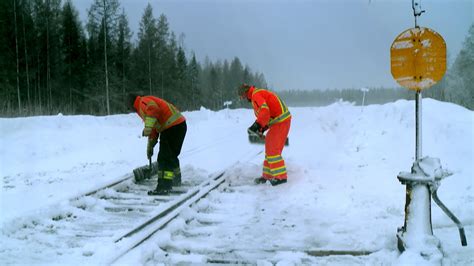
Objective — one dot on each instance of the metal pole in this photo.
(418, 198)
(418, 149)
(417, 11)
(364, 90)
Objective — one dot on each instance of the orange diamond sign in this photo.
(418, 58)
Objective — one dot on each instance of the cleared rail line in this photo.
(144, 231)
(141, 234)
(116, 217)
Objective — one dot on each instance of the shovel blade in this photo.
(144, 172)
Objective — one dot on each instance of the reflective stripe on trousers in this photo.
(274, 165)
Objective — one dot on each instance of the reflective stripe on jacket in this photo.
(268, 107)
(157, 114)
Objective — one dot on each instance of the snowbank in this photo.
(342, 191)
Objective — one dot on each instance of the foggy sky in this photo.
(299, 44)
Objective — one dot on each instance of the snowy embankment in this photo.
(342, 193)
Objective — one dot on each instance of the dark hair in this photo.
(131, 100)
(242, 90)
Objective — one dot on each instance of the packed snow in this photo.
(342, 194)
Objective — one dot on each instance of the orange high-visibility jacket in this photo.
(157, 114)
(268, 107)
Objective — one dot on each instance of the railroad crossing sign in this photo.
(418, 58)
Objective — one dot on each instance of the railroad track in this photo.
(115, 213)
(200, 225)
(118, 217)
(163, 216)
(109, 224)
(125, 204)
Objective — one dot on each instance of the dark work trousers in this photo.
(171, 141)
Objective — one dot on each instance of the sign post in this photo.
(227, 104)
(418, 61)
(364, 90)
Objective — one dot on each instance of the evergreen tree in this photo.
(73, 56)
(28, 46)
(236, 72)
(460, 84)
(170, 70)
(182, 79)
(48, 53)
(228, 88)
(15, 22)
(193, 73)
(123, 55)
(213, 93)
(7, 58)
(49, 64)
(163, 53)
(105, 14)
(146, 53)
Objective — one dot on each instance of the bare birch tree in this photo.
(106, 11)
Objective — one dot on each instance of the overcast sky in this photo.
(300, 44)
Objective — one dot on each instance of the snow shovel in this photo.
(145, 172)
(259, 138)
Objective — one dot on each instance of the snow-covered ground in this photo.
(342, 193)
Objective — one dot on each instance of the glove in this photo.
(149, 148)
(255, 127)
(146, 131)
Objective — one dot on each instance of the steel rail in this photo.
(312, 253)
(170, 208)
(116, 182)
(133, 239)
(129, 176)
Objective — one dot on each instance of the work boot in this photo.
(159, 192)
(276, 182)
(177, 177)
(159, 173)
(260, 180)
(165, 183)
(163, 188)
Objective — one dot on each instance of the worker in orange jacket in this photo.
(162, 120)
(272, 114)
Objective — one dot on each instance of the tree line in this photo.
(51, 63)
(457, 86)
(303, 98)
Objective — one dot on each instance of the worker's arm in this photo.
(261, 110)
(151, 118)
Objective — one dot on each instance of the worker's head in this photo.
(131, 101)
(243, 91)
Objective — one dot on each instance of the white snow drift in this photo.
(342, 192)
